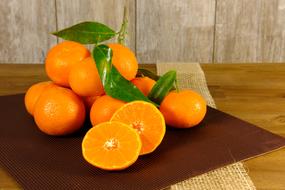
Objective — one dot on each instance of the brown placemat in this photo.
(234, 176)
(38, 161)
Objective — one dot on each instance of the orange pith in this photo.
(111, 146)
(146, 119)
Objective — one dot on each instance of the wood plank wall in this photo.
(219, 31)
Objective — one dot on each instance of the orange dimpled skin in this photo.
(146, 119)
(183, 109)
(84, 79)
(33, 93)
(111, 146)
(61, 58)
(144, 84)
(59, 111)
(103, 109)
(124, 60)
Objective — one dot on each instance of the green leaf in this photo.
(162, 87)
(115, 85)
(86, 33)
(147, 73)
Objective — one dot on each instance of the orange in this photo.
(33, 93)
(59, 111)
(144, 84)
(124, 60)
(111, 146)
(84, 79)
(146, 119)
(183, 109)
(89, 101)
(103, 109)
(61, 58)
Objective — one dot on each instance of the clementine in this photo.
(144, 84)
(61, 58)
(84, 79)
(124, 60)
(59, 111)
(103, 109)
(33, 93)
(183, 109)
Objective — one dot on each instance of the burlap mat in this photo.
(230, 177)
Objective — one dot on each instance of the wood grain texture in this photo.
(109, 12)
(249, 31)
(25, 27)
(252, 92)
(175, 30)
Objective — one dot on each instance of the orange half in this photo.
(146, 119)
(111, 146)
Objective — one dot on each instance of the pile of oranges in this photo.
(121, 130)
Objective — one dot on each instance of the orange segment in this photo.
(111, 146)
(146, 119)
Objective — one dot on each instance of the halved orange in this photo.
(111, 146)
(146, 119)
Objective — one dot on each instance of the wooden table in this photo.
(253, 92)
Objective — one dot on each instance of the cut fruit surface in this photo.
(146, 119)
(111, 146)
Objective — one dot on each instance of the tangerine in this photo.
(84, 79)
(124, 60)
(59, 111)
(33, 93)
(61, 58)
(103, 109)
(183, 109)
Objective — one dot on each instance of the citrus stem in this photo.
(123, 31)
(176, 85)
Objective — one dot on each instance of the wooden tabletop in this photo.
(252, 92)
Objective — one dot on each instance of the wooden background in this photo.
(159, 30)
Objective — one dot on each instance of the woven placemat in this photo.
(234, 176)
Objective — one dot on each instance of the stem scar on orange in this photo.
(111, 146)
(61, 58)
(183, 109)
(146, 119)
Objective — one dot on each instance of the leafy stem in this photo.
(123, 30)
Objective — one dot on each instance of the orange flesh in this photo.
(146, 119)
(111, 146)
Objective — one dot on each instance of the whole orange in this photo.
(33, 93)
(61, 58)
(144, 84)
(124, 60)
(183, 109)
(84, 79)
(103, 109)
(59, 111)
